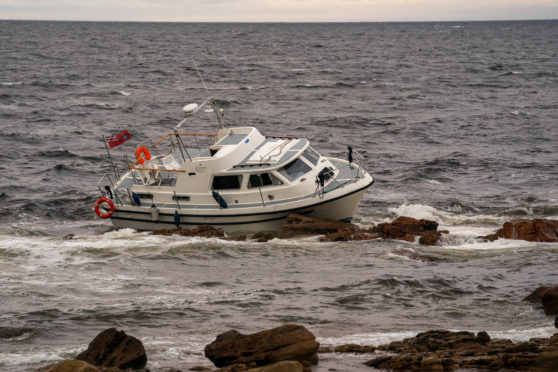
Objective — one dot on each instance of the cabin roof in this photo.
(273, 152)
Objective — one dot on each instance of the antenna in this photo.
(201, 78)
(218, 112)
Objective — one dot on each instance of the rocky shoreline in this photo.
(403, 228)
(293, 348)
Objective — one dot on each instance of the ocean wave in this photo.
(444, 218)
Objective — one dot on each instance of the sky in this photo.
(278, 10)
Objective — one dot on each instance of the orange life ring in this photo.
(98, 210)
(142, 151)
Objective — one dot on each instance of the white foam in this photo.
(30, 356)
(445, 219)
(369, 339)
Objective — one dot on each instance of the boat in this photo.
(240, 181)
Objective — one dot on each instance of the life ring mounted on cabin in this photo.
(142, 154)
(106, 214)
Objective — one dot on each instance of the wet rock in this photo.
(235, 238)
(354, 348)
(298, 225)
(408, 229)
(556, 322)
(199, 369)
(69, 366)
(443, 350)
(262, 237)
(550, 301)
(284, 366)
(112, 348)
(537, 230)
(536, 296)
(204, 231)
(288, 342)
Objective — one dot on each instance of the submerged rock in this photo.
(537, 230)
(443, 350)
(288, 342)
(204, 231)
(112, 348)
(298, 225)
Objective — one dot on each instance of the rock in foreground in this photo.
(112, 348)
(288, 342)
(537, 230)
(69, 366)
(446, 351)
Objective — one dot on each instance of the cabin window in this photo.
(295, 169)
(263, 179)
(181, 197)
(142, 195)
(311, 155)
(226, 182)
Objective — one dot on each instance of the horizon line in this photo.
(286, 22)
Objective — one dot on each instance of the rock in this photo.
(536, 296)
(204, 231)
(284, 366)
(407, 228)
(112, 348)
(536, 230)
(442, 350)
(69, 366)
(556, 322)
(354, 348)
(235, 238)
(262, 237)
(298, 225)
(199, 369)
(288, 342)
(550, 301)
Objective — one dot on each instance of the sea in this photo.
(456, 121)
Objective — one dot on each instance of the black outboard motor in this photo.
(350, 155)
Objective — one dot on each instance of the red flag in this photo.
(118, 138)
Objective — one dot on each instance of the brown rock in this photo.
(262, 237)
(536, 230)
(443, 350)
(69, 366)
(550, 301)
(284, 366)
(354, 348)
(407, 228)
(112, 348)
(288, 342)
(536, 296)
(298, 225)
(429, 237)
(204, 231)
(236, 238)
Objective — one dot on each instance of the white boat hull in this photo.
(334, 206)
